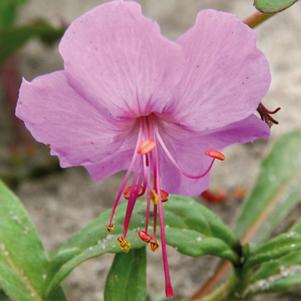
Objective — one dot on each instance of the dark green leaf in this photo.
(13, 38)
(276, 193)
(190, 227)
(273, 6)
(126, 280)
(8, 10)
(23, 261)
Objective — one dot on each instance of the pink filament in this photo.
(146, 169)
(126, 178)
(168, 287)
(131, 204)
(173, 161)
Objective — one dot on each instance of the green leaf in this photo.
(13, 38)
(190, 227)
(275, 248)
(8, 10)
(273, 6)
(23, 261)
(276, 192)
(126, 280)
(276, 275)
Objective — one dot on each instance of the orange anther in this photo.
(146, 146)
(144, 236)
(110, 228)
(124, 244)
(153, 245)
(215, 154)
(127, 192)
(155, 196)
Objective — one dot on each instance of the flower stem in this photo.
(257, 18)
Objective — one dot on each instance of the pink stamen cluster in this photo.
(144, 171)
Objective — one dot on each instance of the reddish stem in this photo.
(257, 18)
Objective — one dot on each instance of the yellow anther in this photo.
(110, 228)
(154, 197)
(124, 244)
(153, 245)
(146, 146)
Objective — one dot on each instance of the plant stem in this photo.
(222, 293)
(257, 18)
(220, 271)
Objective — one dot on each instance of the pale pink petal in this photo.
(119, 60)
(110, 165)
(189, 149)
(75, 130)
(225, 77)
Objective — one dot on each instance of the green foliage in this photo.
(8, 11)
(275, 248)
(126, 280)
(23, 261)
(13, 38)
(190, 227)
(276, 192)
(281, 264)
(273, 6)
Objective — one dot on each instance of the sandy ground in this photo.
(62, 203)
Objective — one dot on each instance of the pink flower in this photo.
(129, 99)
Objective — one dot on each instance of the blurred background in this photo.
(61, 202)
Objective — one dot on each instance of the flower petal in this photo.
(189, 149)
(112, 164)
(57, 115)
(225, 77)
(119, 60)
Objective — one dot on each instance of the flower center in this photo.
(145, 179)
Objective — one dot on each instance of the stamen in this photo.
(131, 204)
(154, 196)
(173, 161)
(110, 228)
(127, 192)
(168, 288)
(144, 236)
(126, 178)
(215, 154)
(155, 212)
(153, 245)
(146, 146)
(124, 244)
(146, 169)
